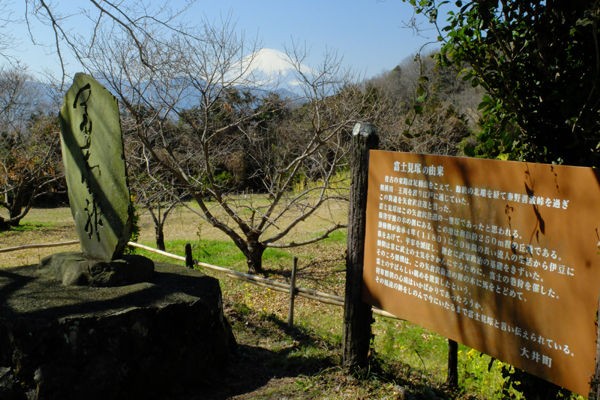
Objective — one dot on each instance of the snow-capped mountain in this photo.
(272, 70)
(263, 72)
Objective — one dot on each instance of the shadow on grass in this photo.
(270, 351)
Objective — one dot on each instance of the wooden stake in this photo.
(595, 382)
(357, 314)
(189, 260)
(292, 292)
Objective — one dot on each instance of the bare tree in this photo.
(130, 18)
(196, 79)
(15, 98)
(152, 187)
(29, 152)
(6, 38)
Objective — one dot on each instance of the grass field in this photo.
(302, 362)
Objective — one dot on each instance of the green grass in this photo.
(56, 216)
(217, 252)
(29, 227)
(415, 346)
(338, 237)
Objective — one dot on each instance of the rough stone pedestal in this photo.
(79, 269)
(157, 340)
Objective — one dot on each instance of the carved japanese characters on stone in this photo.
(92, 150)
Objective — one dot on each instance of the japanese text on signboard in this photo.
(476, 249)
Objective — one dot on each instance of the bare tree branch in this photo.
(199, 120)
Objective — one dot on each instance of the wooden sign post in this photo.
(357, 314)
(595, 381)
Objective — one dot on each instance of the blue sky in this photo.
(370, 35)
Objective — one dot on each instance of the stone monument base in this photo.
(77, 269)
(163, 339)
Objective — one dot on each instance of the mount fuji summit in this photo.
(272, 70)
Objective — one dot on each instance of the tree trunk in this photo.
(7, 224)
(254, 252)
(159, 234)
(14, 211)
(15, 221)
(21, 199)
(15, 215)
(4, 225)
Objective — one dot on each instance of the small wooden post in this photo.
(595, 382)
(189, 260)
(292, 292)
(357, 314)
(452, 377)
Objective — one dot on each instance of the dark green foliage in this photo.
(539, 63)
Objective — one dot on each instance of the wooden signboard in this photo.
(501, 256)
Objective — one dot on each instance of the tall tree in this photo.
(540, 65)
(203, 80)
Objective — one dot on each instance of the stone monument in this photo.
(143, 331)
(92, 150)
(95, 171)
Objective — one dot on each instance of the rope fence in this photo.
(38, 246)
(279, 286)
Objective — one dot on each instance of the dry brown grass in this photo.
(39, 226)
(184, 223)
